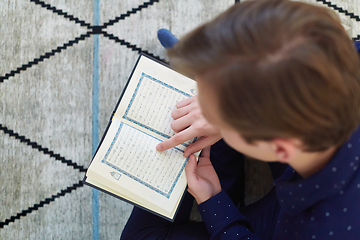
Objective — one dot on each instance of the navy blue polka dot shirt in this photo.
(324, 206)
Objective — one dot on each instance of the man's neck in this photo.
(309, 163)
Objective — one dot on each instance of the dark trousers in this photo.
(229, 165)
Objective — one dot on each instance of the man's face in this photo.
(207, 97)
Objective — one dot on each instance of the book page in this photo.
(129, 196)
(127, 158)
(151, 97)
(152, 103)
(132, 153)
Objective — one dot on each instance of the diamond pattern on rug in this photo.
(45, 86)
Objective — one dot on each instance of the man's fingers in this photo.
(185, 102)
(175, 140)
(181, 123)
(190, 170)
(183, 111)
(200, 144)
(180, 112)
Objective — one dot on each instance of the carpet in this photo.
(64, 65)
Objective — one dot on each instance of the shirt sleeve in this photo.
(223, 220)
(357, 45)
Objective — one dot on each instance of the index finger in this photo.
(185, 102)
(177, 139)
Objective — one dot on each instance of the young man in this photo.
(279, 81)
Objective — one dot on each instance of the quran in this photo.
(126, 164)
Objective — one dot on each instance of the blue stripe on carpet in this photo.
(95, 117)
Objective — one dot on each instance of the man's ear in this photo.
(285, 149)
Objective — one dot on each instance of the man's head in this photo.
(278, 70)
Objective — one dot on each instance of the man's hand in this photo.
(190, 123)
(203, 182)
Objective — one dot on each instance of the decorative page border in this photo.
(134, 95)
(167, 195)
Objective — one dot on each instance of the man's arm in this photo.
(221, 217)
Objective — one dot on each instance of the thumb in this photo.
(200, 144)
(190, 170)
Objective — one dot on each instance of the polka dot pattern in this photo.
(324, 206)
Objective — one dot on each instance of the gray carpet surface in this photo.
(64, 65)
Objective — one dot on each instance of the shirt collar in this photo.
(295, 195)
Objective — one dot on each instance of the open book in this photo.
(126, 164)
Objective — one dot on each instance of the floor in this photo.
(64, 65)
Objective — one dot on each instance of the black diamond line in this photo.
(44, 56)
(11, 133)
(61, 13)
(340, 9)
(94, 30)
(133, 47)
(128, 13)
(85, 24)
(45, 151)
(41, 204)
